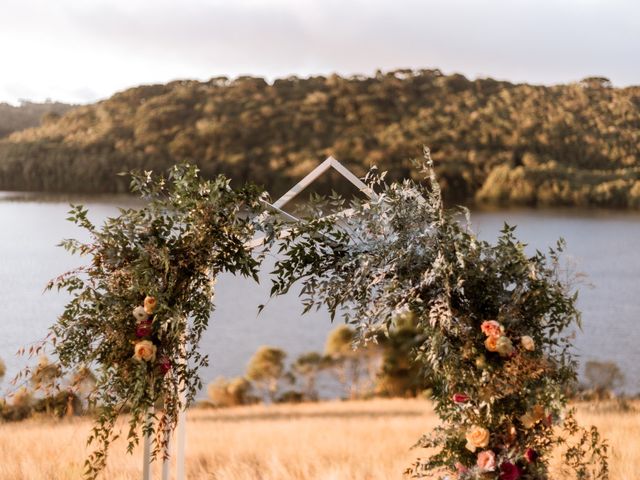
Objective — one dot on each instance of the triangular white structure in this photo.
(330, 162)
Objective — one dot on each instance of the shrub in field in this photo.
(603, 378)
(495, 326)
(266, 368)
(307, 367)
(230, 392)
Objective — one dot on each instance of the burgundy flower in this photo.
(165, 365)
(509, 471)
(143, 329)
(530, 455)
(460, 398)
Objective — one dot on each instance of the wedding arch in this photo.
(493, 319)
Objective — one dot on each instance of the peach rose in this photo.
(527, 343)
(491, 343)
(477, 437)
(486, 461)
(145, 350)
(140, 315)
(491, 328)
(149, 304)
(504, 346)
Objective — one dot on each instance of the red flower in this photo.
(460, 398)
(530, 455)
(509, 471)
(143, 329)
(165, 365)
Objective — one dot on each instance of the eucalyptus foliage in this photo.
(165, 256)
(496, 324)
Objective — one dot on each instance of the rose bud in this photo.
(530, 455)
(165, 365)
(460, 398)
(143, 329)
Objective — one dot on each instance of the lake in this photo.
(603, 245)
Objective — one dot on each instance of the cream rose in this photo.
(504, 346)
(140, 315)
(527, 343)
(145, 350)
(486, 461)
(149, 304)
(477, 437)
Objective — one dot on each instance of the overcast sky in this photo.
(84, 50)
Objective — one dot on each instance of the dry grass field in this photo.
(368, 440)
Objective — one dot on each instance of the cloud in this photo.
(106, 46)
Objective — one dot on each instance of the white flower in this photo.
(140, 315)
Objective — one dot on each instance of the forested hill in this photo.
(495, 142)
(28, 114)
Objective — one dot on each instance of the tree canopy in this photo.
(493, 142)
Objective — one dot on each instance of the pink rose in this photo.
(509, 471)
(486, 461)
(491, 328)
(143, 329)
(530, 455)
(460, 398)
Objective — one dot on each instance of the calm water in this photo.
(602, 245)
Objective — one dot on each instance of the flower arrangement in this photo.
(495, 323)
(138, 309)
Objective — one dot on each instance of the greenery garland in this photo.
(139, 309)
(495, 321)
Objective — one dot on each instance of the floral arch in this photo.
(493, 318)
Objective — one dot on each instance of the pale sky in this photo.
(84, 50)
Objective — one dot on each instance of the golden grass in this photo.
(365, 440)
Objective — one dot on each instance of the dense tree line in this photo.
(493, 141)
(29, 114)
